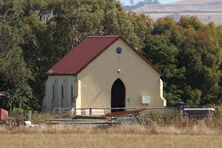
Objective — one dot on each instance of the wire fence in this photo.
(191, 112)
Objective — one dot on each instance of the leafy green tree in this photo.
(189, 55)
(191, 22)
(162, 25)
(163, 56)
(200, 53)
(142, 26)
(14, 74)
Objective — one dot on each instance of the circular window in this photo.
(119, 50)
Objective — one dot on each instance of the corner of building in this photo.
(161, 94)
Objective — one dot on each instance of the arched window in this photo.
(62, 91)
(54, 93)
(53, 90)
(72, 95)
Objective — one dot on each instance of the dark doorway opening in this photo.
(118, 93)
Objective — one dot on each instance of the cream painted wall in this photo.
(140, 79)
(56, 100)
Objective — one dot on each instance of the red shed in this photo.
(4, 115)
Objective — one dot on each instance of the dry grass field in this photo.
(197, 135)
(108, 141)
(164, 132)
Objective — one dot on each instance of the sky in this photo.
(161, 1)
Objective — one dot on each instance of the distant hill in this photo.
(205, 10)
(141, 3)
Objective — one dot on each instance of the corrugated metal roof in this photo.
(85, 52)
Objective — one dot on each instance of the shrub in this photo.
(18, 112)
(158, 116)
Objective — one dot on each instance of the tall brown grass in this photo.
(189, 128)
(159, 125)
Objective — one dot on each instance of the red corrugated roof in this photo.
(85, 52)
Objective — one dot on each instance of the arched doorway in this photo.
(118, 94)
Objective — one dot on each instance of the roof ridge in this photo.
(103, 36)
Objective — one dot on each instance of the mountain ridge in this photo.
(206, 10)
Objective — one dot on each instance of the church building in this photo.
(103, 73)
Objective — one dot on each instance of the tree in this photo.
(142, 26)
(191, 22)
(163, 56)
(14, 74)
(201, 55)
